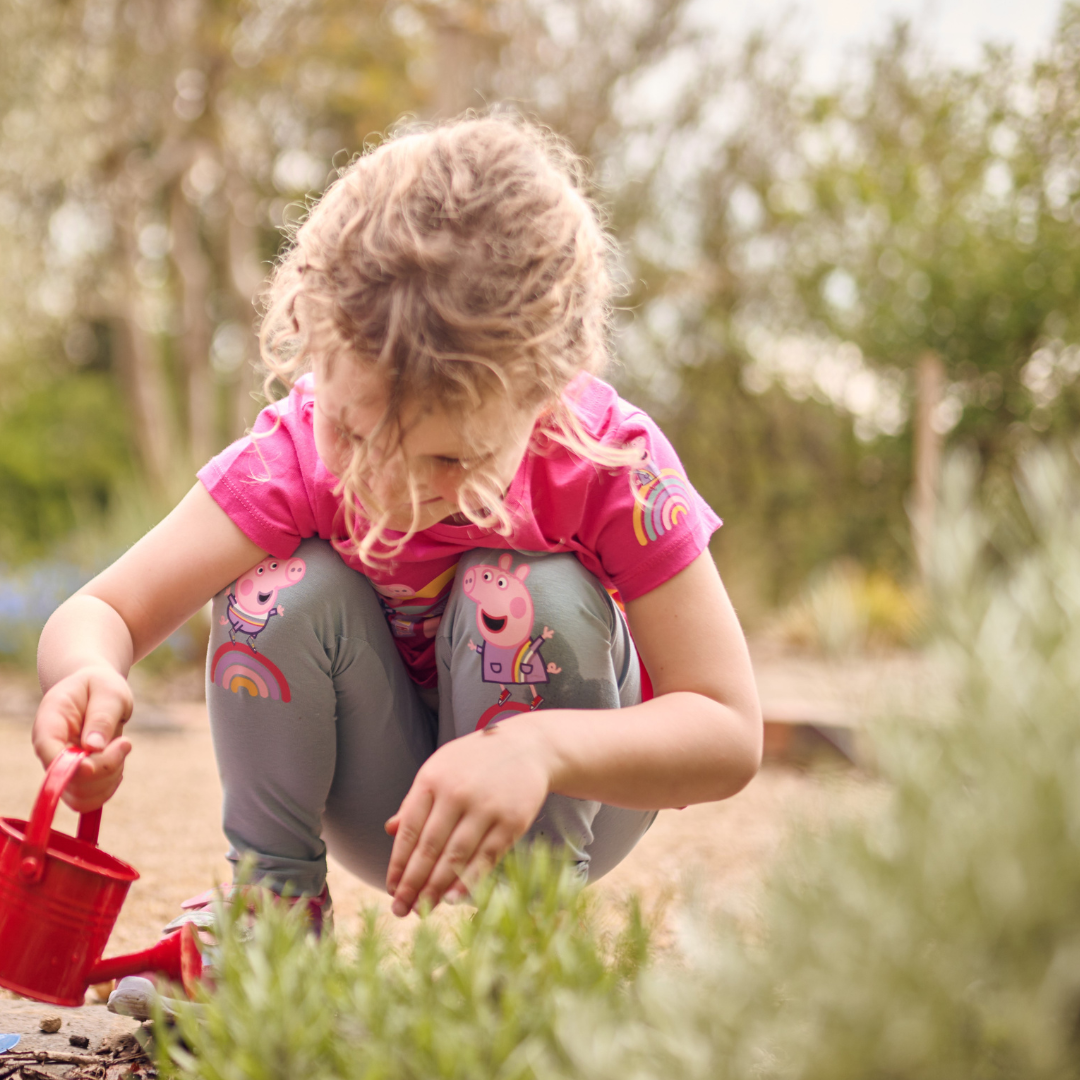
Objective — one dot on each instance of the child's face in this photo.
(350, 402)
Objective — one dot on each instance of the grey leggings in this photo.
(319, 731)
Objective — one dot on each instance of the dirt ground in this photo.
(165, 818)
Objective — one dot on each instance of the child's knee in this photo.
(530, 632)
(276, 594)
(289, 613)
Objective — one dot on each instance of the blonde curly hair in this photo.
(457, 261)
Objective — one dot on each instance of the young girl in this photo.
(462, 591)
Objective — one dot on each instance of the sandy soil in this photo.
(165, 819)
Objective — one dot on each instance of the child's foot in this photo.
(134, 995)
(200, 909)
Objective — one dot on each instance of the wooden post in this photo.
(461, 46)
(929, 441)
(194, 271)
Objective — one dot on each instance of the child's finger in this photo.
(56, 726)
(48, 744)
(459, 849)
(495, 844)
(391, 825)
(429, 846)
(409, 820)
(99, 775)
(106, 713)
(105, 764)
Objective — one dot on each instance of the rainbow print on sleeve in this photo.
(237, 667)
(661, 499)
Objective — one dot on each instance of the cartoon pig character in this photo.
(253, 599)
(504, 617)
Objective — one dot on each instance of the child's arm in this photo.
(699, 739)
(92, 639)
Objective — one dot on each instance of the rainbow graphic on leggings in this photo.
(237, 667)
(660, 500)
(522, 656)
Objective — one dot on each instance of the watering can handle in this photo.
(57, 777)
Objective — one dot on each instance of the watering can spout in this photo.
(177, 957)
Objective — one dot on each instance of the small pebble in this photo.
(80, 1041)
(50, 1024)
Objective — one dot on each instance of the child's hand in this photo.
(470, 802)
(89, 709)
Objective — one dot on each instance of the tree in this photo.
(829, 243)
(149, 152)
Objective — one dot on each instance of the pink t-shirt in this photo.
(634, 528)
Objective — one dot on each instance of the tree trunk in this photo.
(247, 275)
(193, 268)
(929, 441)
(144, 382)
(459, 53)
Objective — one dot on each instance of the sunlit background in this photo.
(849, 234)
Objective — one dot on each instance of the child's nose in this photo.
(445, 489)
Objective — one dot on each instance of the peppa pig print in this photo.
(253, 599)
(509, 653)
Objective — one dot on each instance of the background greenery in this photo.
(791, 251)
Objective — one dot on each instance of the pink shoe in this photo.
(200, 909)
(135, 995)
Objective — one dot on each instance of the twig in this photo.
(58, 1057)
(26, 1059)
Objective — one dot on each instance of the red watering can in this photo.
(59, 899)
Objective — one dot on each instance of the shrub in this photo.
(477, 1002)
(844, 610)
(942, 938)
(939, 939)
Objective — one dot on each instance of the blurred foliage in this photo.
(843, 610)
(796, 487)
(476, 1003)
(819, 244)
(791, 251)
(937, 937)
(150, 152)
(64, 451)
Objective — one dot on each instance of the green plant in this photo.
(938, 938)
(480, 1001)
(845, 610)
(941, 938)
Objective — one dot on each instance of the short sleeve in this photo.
(646, 522)
(259, 481)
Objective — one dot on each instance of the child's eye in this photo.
(345, 435)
